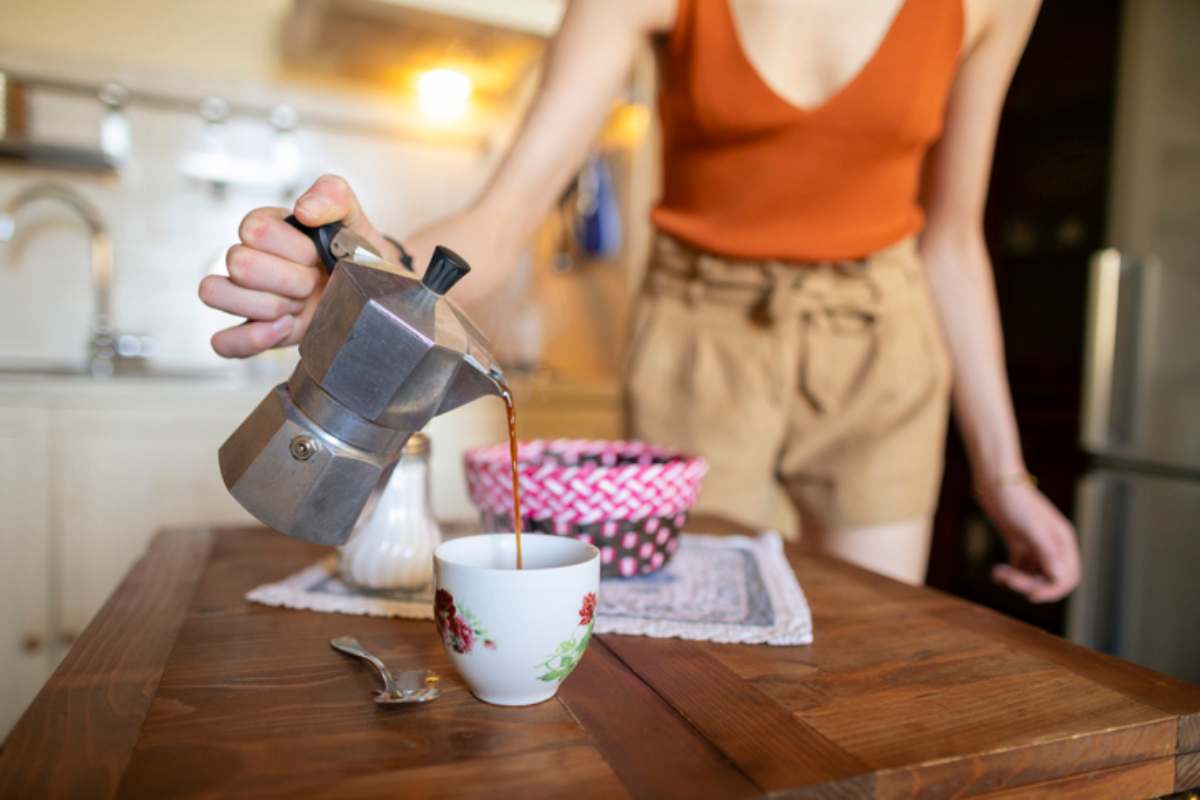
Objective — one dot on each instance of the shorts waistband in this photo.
(770, 289)
(667, 247)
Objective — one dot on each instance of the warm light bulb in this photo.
(627, 125)
(443, 94)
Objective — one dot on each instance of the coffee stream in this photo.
(510, 407)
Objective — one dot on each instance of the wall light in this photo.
(626, 126)
(443, 94)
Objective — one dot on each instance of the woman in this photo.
(820, 270)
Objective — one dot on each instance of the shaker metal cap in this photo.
(417, 445)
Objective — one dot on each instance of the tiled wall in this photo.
(169, 231)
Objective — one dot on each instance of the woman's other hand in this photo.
(1043, 552)
(275, 278)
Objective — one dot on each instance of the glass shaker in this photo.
(392, 545)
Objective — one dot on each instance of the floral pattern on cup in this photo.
(588, 609)
(460, 631)
(564, 660)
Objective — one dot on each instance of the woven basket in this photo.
(630, 499)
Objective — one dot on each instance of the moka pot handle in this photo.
(321, 237)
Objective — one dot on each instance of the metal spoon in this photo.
(412, 686)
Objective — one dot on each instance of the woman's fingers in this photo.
(330, 199)
(266, 272)
(1068, 571)
(1025, 583)
(221, 293)
(275, 276)
(1068, 544)
(252, 338)
(264, 229)
(1043, 575)
(1056, 555)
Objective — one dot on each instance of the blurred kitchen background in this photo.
(136, 134)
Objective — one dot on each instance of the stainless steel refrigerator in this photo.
(1138, 507)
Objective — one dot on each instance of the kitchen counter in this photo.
(181, 688)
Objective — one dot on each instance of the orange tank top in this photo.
(747, 174)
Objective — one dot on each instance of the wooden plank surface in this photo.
(906, 692)
(902, 684)
(576, 772)
(647, 743)
(946, 697)
(767, 743)
(254, 703)
(1176, 698)
(76, 738)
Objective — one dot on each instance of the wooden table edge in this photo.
(1110, 671)
(31, 758)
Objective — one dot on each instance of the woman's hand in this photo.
(275, 277)
(1043, 553)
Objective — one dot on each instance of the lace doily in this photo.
(737, 589)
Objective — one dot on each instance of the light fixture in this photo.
(627, 125)
(443, 94)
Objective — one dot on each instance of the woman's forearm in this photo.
(960, 278)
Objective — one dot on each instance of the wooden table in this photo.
(181, 688)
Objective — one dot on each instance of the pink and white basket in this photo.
(630, 499)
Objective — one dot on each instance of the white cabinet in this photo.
(124, 473)
(89, 470)
(25, 630)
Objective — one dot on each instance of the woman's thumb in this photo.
(330, 199)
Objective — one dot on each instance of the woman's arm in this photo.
(273, 276)
(585, 68)
(1043, 552)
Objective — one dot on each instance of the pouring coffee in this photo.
(385, 353)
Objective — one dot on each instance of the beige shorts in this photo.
(820, 386)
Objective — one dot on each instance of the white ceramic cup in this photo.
(514, 635)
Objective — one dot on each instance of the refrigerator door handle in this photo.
(1092, 609)
(1104, 287)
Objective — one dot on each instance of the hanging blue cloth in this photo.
(598, 228)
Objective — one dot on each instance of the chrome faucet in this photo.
(104, 345)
